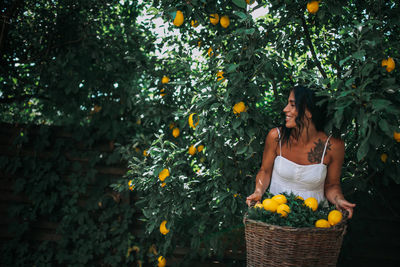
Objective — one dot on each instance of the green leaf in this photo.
(381, 104)
(236, 123)
(242, 149)
(249, 31)
(363, 149)
(240, 3)
(232, 68)
(359, 54)
(383, 124)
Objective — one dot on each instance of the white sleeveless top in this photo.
(303, 180)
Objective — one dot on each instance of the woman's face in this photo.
(291, 112)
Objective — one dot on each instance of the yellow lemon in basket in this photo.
(283, 210)
(334, 217)
(161, 261)
(163, 228)
(312, 203)
(322, 223)
(281, 199)
(270, 204)
(258, 206)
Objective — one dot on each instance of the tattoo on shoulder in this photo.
(315, 154)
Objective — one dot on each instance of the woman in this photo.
(300, 158)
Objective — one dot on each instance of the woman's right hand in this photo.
(255, 197)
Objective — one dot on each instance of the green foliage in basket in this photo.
(299, 216)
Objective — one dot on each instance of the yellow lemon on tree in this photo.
(220, 75)
(161, 261)
(210, 52)
(165, 80)
(396, 136)
(131, 185)
(384, 157)
(176, 132)
(283, 210)
(312, 203)
(194, 23)
(200, 148)
(334, 217)
(145, 153)
(163, 184)
(214, 19)
(299, 197)
(281, 199)
(190, 120)
(192, 150)
(389, 63)
(178, 20)
(322, 223)
(313, 7)
(224, 21)
(163, 174)
(163, 228)
(270, 204)
(239, 107)
(258, 206)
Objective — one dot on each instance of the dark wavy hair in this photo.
(305, 98)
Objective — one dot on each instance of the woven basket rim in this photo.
(336, 227)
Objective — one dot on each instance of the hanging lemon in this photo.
(214, 19)
(313, 7)
(190, 120)
(239, 107)
(163, 228)
(194, 23)
(220, 75)
(178, 20)
(225, 21)
(192, 150)
(163, 174)
(175, 132)
(162, 262)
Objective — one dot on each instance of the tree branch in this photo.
(20, 99)
(310, 45)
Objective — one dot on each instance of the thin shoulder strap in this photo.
(326, 144)
(280, 144)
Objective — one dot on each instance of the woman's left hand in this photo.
(343, 204)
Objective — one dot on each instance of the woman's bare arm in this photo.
(263, 177)
(333, 190)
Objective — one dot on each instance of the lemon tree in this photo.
(234, 71)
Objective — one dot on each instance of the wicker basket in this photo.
(271, 245)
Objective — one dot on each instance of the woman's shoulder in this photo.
(274, 133)
(335, 144)
(273, 136)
